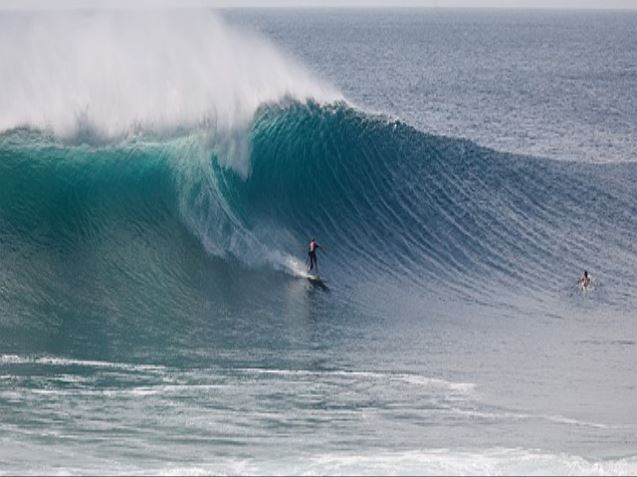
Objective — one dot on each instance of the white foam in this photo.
(118, 72)
(512, 415)
(139, 391)
(11, 358)
(291, 265)
(409, 378)
(56, 361)
(498, 461)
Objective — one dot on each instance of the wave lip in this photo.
(392, 203)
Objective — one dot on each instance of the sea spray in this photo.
(98, 75)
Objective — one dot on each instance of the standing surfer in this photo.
(312, 255)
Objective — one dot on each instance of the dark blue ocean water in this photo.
(162, 172)
(548, 83)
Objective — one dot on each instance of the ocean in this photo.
(162, 172)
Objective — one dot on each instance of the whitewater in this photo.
(161, 173)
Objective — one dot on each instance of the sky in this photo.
(578, 4)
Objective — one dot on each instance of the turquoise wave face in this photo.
(110, 228)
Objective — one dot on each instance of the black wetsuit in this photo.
(312, 255)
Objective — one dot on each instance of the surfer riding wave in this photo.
(312, 255)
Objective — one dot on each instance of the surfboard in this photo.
(317, 281)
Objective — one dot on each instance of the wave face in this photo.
(392, 201)
(168, 124)
(388, 203)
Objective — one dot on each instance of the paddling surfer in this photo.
(585, 280)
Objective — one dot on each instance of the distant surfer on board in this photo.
(585, 280)
(312, 255)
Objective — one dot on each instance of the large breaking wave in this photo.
(384, 198)
(159, 134)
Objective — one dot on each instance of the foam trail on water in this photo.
(111, 73)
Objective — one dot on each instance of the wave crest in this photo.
(113, 73)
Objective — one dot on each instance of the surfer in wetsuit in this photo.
(585, 280)
(312, 255)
